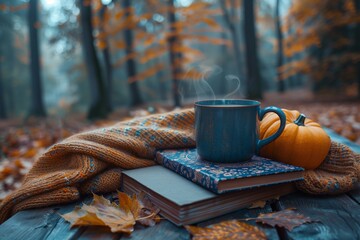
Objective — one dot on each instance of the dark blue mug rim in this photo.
(227, 103)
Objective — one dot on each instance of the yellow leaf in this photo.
(231, 229)
(129, 204)
(80, 217)
(119, 218)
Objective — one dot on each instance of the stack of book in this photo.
(187, 189)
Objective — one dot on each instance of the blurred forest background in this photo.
(93, 56)
(62, 62)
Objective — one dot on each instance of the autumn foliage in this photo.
(321, 42)
(151, 44)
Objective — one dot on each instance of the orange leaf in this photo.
(96, 21)
(119, 15)
(7, 170)
(119, 218)
(120, 44)
(14, 153)
(30, 153)
(18, 163)
(232, 229)
(101, 44)
(211, 22)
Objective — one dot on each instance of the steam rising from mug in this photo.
(232, 78)
(202, 88)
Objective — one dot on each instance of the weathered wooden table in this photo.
(338, 218)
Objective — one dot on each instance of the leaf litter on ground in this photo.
(21, 142)
(120, 217)
(236, 229)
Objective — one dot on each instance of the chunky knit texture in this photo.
(92, 162)
(338, 173)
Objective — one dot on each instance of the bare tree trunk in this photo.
(107, 61)
(280, 56)
(12, 107)
(130, 63)
(357, 44)
(37, 106)
(174, 57)
(254, 86)
(99, 105)
(2, 97)
(161, 81)
(234, 36)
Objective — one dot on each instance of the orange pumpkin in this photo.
(303, 142)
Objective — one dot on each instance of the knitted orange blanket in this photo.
(92, 162)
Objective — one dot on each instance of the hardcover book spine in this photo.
(189, 173)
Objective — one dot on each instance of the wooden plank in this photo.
(62, 229)
(355, 194)
(29, 224)
(43, 223)
(102, 233)
(270, 232)
(163, 230)
(339, 216)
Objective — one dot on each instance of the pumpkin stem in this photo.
(300, 121)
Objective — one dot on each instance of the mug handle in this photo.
(282, 117)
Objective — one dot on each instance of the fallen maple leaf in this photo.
(232, 229)
(119, 218)
(287, 218)
(80, 217)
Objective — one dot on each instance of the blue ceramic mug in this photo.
(227, 131)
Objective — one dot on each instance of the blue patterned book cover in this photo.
(225, 177)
